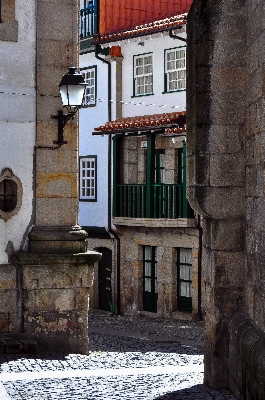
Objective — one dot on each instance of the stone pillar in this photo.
(57, 270)
(56, 299)
(216, 172)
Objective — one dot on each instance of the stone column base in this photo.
(55, 291)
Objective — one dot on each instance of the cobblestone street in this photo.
(129, 359)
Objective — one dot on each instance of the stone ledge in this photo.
(89, 257)
(17, 343)
(156, 222)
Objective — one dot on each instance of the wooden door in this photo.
(104, 278)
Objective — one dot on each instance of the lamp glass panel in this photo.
(72, 95)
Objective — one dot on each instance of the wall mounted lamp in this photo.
(71, 88)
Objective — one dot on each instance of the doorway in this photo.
(104, 278)
(150, 279)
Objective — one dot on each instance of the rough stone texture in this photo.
(225, 147)
(246, 361)
(167, 240)
(56, 190)
(56, 299)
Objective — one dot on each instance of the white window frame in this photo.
(143, 74)
(175, 69)
(88, 178)
(89, 75)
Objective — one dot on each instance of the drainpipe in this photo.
(109, 229)
(199, 227)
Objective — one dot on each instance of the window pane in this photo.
(185, 256)
(147, 283)
(185, 289)
(148, 253)
(185, 272)
(147, 268)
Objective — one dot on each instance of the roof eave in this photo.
(117, 37)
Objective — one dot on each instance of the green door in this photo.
(150, 279)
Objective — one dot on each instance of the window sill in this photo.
(88, 106)
(142, 95)
(88, 200)
(9, 31)
(174, 91)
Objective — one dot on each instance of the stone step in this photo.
(16, 343)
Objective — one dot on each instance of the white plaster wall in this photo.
(164, 102)
(95, 213)
(17, 119)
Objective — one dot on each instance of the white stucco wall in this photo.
(95, 213)
(17, 119)
(161, 102)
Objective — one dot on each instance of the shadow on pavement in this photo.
(198, 392)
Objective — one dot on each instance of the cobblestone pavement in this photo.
(129, 359)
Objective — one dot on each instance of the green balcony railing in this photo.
(166, 201)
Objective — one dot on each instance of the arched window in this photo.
(10, 194)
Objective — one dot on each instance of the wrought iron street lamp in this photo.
(71, 88)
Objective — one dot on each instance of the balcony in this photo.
(88, 19)
(154, 201)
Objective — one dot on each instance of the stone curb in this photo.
(154, 338)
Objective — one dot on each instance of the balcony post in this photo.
(150, 173)
(184, 195)
(114, 178)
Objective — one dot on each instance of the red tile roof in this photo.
(152, 27)
(173, 122)
(123, 15)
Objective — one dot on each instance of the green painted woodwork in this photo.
(150, 295)
(154, 199)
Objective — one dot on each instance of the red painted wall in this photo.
(118, 15)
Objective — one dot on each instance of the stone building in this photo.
(44, 282)
(135, 209)
(225, 147)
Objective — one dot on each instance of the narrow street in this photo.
(129, 359)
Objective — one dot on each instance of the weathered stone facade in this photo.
(46, 270)
(225, 122)
(167, 235)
